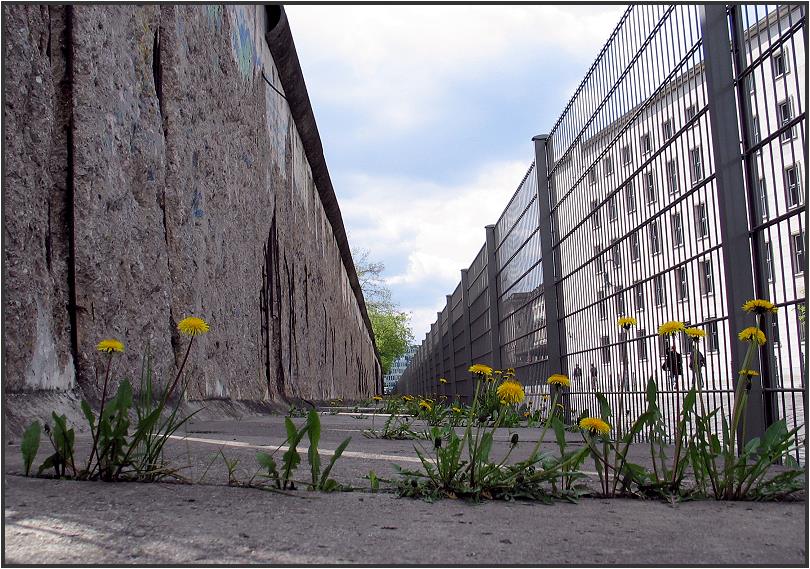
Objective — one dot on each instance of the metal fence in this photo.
(671, 188)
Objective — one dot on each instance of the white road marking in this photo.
(327, 452)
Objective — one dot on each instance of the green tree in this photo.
(391, 326)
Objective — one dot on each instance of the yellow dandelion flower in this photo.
(759, 306)
(594, 425)
(442, 380)
(749, 372)
(483, 369)
(511, 391)
(192, 326)
(456, 409)
(546, 397)
(559, 379)
(752, 334)
(408, 397)
(626, 321)
(671, 327)
(695, 333)
(425, 405)
(110, 345)
(527, 414)
(377, 398)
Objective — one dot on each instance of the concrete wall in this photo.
(152, 172)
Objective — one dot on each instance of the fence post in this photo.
(725, 136)
(452, 379)
(465, 317)
(555, 338)
(492, 291)
(440, 372)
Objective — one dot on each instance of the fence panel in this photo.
(633, 206)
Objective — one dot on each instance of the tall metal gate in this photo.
(672, 187)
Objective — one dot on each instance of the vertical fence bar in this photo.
(766, 352)
(465, 317)
(452, 346)
(733, 215)
(492, 291)
(548, 233)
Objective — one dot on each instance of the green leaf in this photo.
(89, 415)
(338, 451)
(375, 482)
(604, 406)
(314, 432)
(30, 445)
(482, 456)
(559, 433)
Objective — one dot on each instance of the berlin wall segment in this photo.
(154, 170)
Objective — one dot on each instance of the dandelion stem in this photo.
(97, 430)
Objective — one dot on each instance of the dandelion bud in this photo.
(437, 442)
(514, 439)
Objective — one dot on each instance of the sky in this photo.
(426, 114)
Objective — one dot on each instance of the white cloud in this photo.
(400, 63)
(438, 228)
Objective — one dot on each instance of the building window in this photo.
(797, 252)
(691, 112)
(638, 296)
(646, 144)
(608, 164)
(605, 350)
(613, 208)
(602, 307)
(630, 196)
(626, 155)
(616, 253)
(681, 283)
(784, 114)
(641, 335)
(677, 229)
(595, 214)
(666, 129)
(660, 298)
(763, 199)
(774, 330)
(655, 238)
(672, 176)
(755, 136)
(706, 277)
(620, 306)
(635, 246)
(769, 261)
(701, 221)
(649, 187)
(592, 176)
(597, 252)
(696, 162)
(792, 192)
(712, 337)
(779, 63)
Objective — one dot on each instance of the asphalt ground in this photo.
(52, 521)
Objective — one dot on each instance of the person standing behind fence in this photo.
(577, 373)
(701, 361)
(673, 365)
(594, 373)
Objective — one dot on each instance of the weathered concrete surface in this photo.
(155, 138)
(36, 323)
(50, 521)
